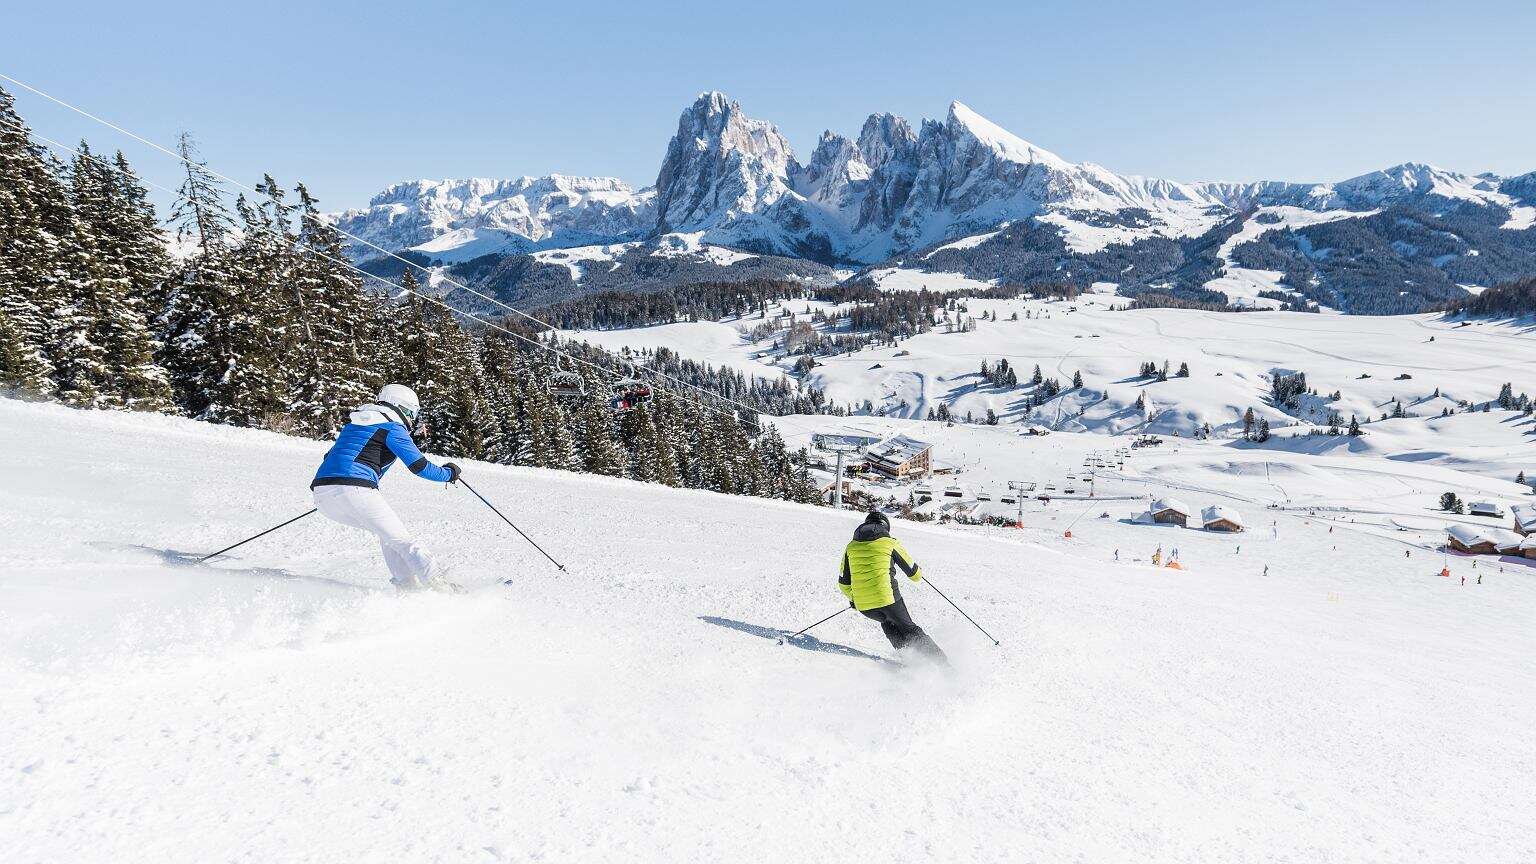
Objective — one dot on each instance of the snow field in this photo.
(1107, 346)
(1349, 708)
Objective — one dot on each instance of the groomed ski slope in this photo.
(284, 706)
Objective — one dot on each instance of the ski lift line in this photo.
(393, 287)
(238, 185)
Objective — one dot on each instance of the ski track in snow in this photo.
(1351, 707)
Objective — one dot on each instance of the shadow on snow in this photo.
(805, 642)
(178, 558)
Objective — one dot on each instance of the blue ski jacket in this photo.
(367, 446)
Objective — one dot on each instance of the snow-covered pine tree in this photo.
(504, 436)
(198, 288)
(442, 361)
(82, 371)
(332, 315)
(600, 452)
(242, 369)
(128, 266)
(30, 293)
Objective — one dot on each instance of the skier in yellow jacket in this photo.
(868, 580)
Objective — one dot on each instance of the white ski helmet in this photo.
(402, 399)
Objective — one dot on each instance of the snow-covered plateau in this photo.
(1309, 690)
(1424, 363)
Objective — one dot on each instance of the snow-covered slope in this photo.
(1348, 705)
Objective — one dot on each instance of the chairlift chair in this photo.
(567, 385)
(629, 394)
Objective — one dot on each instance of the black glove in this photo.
(453, 472)
(851, 605)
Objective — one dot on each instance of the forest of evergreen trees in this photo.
(264, 324)
(1511, 300)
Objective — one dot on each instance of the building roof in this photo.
(1160, 505)
(898, 449)
(1471, 535)
(1218, 513)
(1525, 516)
(1486, 507)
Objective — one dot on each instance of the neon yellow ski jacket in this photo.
(870, 564)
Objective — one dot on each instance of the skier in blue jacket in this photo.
(346, 488)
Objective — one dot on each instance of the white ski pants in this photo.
(410, 564)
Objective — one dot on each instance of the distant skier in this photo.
(868, 579)
(346, 488)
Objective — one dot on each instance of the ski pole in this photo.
(262, 534)
(558, 565)
(817, 624)
(961, 611)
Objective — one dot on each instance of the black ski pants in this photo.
(898, 626)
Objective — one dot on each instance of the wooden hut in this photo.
(1525, 518)
(1170, 511)
(1471, 540)
(1486, 508)
(1476, 540)
(1219, 518)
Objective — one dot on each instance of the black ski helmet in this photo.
(875, 517)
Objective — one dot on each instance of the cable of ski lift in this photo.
(427, 270)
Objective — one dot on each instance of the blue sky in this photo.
(351, 97)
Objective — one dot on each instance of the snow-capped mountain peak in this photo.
(728, 179)
(962, 120)
(719, 164)
(459, 219)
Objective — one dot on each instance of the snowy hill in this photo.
(280, 705)
(963, 195)
(1425, 363)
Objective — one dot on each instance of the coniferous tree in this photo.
(334, 370)
(198, 292)
(128, 268)
(31, 293)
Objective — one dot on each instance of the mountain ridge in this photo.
(729, 180)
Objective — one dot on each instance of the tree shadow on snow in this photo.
(805, 642)
(178, 558)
